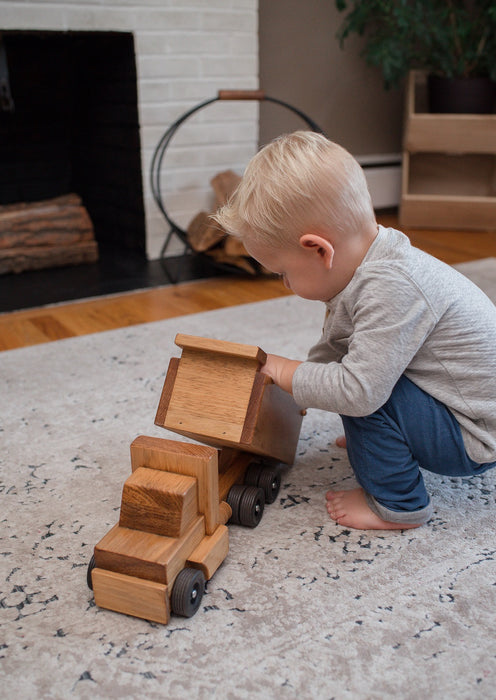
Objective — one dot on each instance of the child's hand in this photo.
(281, 371)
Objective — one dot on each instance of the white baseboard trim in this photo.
(383, 173)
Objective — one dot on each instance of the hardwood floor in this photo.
(42, 325)
(33, 326)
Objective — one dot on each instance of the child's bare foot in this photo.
(350, 508)
(341, 441)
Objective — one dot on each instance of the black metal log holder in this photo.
(158, 157)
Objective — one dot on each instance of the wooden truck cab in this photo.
(172, 535)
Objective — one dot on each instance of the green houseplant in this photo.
(449, 39)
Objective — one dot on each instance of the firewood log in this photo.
(47, 233)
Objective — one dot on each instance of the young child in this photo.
(407, 355)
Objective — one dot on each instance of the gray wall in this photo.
(302, 63)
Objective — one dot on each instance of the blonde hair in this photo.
(297, 181)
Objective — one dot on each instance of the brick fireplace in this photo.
(122, 72)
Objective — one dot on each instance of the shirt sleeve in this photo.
(388, 320)
(322, 351)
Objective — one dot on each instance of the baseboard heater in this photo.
(383, 173)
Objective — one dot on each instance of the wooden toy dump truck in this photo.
(172, 532)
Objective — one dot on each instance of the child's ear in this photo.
(321, 246)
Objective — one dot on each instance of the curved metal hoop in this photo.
(159, 153)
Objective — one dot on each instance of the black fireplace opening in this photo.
(74, 128)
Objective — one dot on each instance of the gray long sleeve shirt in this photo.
(405, 312)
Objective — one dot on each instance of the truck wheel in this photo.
(91, 566)
(247, 504)
(187, 592)
(234, 499)
(251, 507)
(265, 478)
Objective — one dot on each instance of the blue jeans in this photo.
(387, 449)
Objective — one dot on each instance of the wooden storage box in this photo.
(449, 166)
(215, 393)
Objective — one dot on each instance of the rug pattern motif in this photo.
(300, 608)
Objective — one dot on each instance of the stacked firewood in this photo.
(206, 236)
(49, 233)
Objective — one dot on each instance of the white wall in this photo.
(186, 50)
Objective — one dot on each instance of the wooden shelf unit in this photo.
(449, 166)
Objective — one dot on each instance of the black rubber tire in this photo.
(234, 500)
(251, 506)
(91, 566)
(252, 474)
(265, 478)
(270, 482)
(187, 592)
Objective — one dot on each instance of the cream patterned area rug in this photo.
(301, 607)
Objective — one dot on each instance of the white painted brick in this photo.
(220, 111)
(239, 132)
(235, 66)
(218, 157)
(240, 44)
(182, 206)
(169, 19)
(154, 90)
(168, 67)
(183, 43)
(193, 134)
(183, 158)
(229, 22)
(161, 114)
(15, 16)
(197, 91)
(225, 110)
(186, 50)
(194, 181)
(229, 156)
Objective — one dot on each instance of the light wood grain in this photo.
(450, 133)
(198, 461)
(221, 347)
(146, 555)
(211, 552)
(131, 596)
(233, 472)
(218, 396)
(33, 326)
(159, 502)
(449, 165)
(210, 397)
(166, 393)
